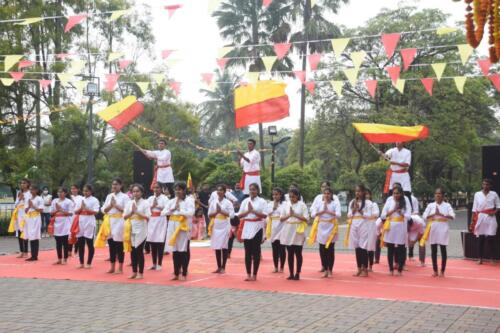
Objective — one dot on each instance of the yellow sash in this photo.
(105, 229)
(269, 226)
(183, 226)
(387, 227)
(314, 231)
(127, 235)
(29, 215)
(301, 226)
(212, 221)
(13, 218)
(427, 231)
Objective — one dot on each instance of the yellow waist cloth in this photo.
(127, 235)
(269, 225)
(212, 221)
(427, 231)
(13, 219)
(314, 231)
(301, 226)
(105, 229)
(387, 227)
(183, 226)
(348, 231)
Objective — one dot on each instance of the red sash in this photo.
(50, 227)
(388, 175)
(75, 226)
(475, 217)
(240, 227)
(154, 182)
(244, 175)
(155, 214)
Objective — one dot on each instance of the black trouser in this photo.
(327, 256)
(34, 245)
(45, 221)
(395, 251)
(181, 262)
(23, 243)
(279, 254)
(62, 247)
(421, 252)
(403, 254)
(252, 253)
(434, 253)
(81, 249)
(116, 251)
(157, 252)
(361, 257)
(484, 241)
(378, 250)
(137, 258)
(371, 257)
(221, 257)
(147, 247)
(294, 251)
(230, 244)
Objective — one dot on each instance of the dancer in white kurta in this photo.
(395, 214)
(228, 195)
(157, 227)
(17, 220)
(373, 235)
(220, 213)
(416, 227)
(77, 203)
(181, 211)
(62, 210)
(137, 213)
(294, 216)
(252, 216)
(113, 209)
(486, 205)
(86, 225)
(438, 214)
(400, 159)
(250, 163)
(273, 229)
(164, 174)
(359, 215)
(33, 222)
(326, 214)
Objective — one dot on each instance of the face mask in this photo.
(45, 192)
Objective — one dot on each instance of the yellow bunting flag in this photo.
(400, 85)
(212, 5)
(337, 86)
(143, 86)
(76, 66)
(357, 58)
(313, 3)
(114, 55)
(158, 78)
(269, 62)
(65, 77)
(253, 77)
(460, 82)
(11, 60)
(29, 21)
(445, 30)
(339, 45)
(80, 85)
(7, 82)
(439, 69)
(352, 75)
(116, 14)
(223, 51)
(464, 50)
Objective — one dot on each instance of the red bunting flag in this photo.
(428, 83)
(25, 63)
(17, 76)
(371, 86)
(207, 77)
(495, 79)
(281, 49)
(408, 56)
(390, 42)
(300, 75)
(485, 65)
(111, 80)
(393, 72)
(266, 3)
(172, 9)
(44, 84)
(124, 63)
(74, 20)
(221, 62)
(176, 87)
(166, 53)
(314, 60)
(62, 56)
(311, 86)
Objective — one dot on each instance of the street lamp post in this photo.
(91, 90)
(272, 131)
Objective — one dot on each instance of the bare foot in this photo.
(370, 269)
(222, 271)
(358, 273)
(64, 262)
(111, 271)
(139, 276)
(435, 274)
(59, 262)
(281, 270)
(175, 278)
(249, 278)
(216, 271)
(133, 276)
(391, 273)
(88, 266)
(118, 272)
(441, 274)
(363, 273)
(400, 273)
(330, 273)
(275, 270)
(325, 274)
(80, 266)
(182, 278)
(20, 255)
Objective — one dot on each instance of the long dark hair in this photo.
(402, 200)
(281, 192)
(362, 188)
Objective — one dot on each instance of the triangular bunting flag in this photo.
(460, 82)
(221, 62)
(114, 55)
(143, 86)
(207, 78)
(76, 66)
(176, 87)
(74, 20)
(357, 58)
(352, 75)
(408, 56)
(124, 63)
(445, 30)
(314, 60)
(266, 3)
(281, 49)
(337, 87)
(485, 65)
(116, 14)
(11, 60)
(62, 56)
(268, 62)
(400, 85)
(300, 75)
(44, 84)
(158, 78)
(64, 78)
(212, 5)
(371, 86)
(172, 9)
(428, 83)
(339, 45)
(390, 41)
(495, 79)
(253, 77)
(394, 72)
(439, 69)
(172, 62)
(111, 80)
(166, 53)
(29, 21)
(17, 76)
(310, 86)
(7, 82)
(80, 85)
(25, 63)
(224, 50)
(313, 3)
(464, 50)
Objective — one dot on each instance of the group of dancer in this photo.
(131, 222)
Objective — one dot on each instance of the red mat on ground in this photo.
(466, 283)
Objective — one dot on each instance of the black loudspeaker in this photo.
(143, 170)
(491, 165)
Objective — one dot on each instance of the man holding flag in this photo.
(400, 159)
(250, 162)
(163, 175)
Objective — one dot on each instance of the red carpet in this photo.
(466, 283)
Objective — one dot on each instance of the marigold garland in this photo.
(478, 13)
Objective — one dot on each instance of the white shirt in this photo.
(47, 199)
(366, 212)
(414, 202)
(143, 208)
(250, 229)
(333, 206)
(229, 196)
(390, 204)
(254, 164)
(121, 199)
(484, 202)
(77, 199)
(163, 158)
(37, 203)
(66, 205)
(91, 203)
(445, 209)
(24, 201)
(225, 205)
(287, 198)
(161, 202)
(399, 156)
(186, 208)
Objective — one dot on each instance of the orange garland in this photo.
(479, 12)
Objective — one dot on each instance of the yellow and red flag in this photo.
(264, 101)
(189, 182)
(119, 114)
(380, 133)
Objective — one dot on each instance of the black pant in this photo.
(252, 253)
(395, 251)
(327, 256)
(484, 241)
(147, 247)
(45, 221)
(421, 252)
(221, 257)
(294, 251)
(157, 253)
(181, 262)
(137, 258)
(403, 254)
(34, 245)
(361, 258)
(23, 244)
(434, 254)
(62, 247)
(371, 257)
(279, 254)
(378, 250)
(116, 251)
(230, 244)
(81, 249)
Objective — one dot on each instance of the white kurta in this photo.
(416, 229)
(222, 226)
(398, 233)
(21, 204)
(252, 166)
(229, 196)
(139, 225)
(116, 223)
(251, 228)
(62, 224)
(324, 226)
(400, 156)
(486, 225)
(47, 201)
(164, 173)
(274, 216)
(157, 226)
(289, 234)
(32, 225)
(358, 235)
(440, 230)
(186, 209)
(87, 222)
(287, 197)
(372, 228)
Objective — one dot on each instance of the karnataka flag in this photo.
(190, 182)
(380, 133)
(264, 101)
(121, 113)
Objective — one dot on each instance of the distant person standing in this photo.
(400, 159)
(47, 201)
(164, 174)
(250, 162)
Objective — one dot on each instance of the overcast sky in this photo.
(193, 32)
